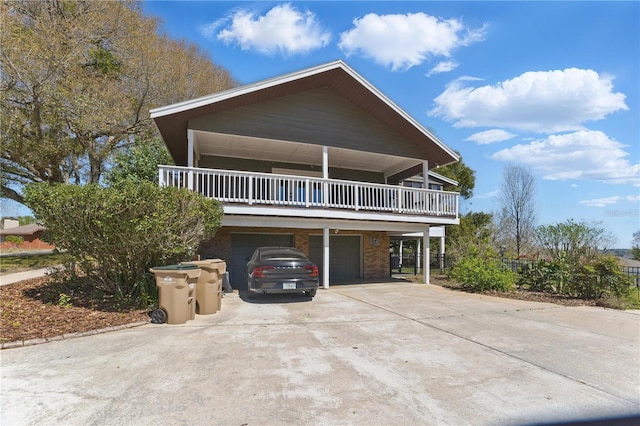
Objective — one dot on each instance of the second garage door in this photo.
(344, 254)
(242, 248)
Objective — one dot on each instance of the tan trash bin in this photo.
(177, 291)
(209, 287)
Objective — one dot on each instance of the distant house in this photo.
(31, 234)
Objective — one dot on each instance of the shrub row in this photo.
(114, 235)
(587, 279)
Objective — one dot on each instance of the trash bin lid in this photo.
(182, 267)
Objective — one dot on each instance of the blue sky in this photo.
(552, 86)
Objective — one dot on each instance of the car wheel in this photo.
(311, 293)
(250, 295)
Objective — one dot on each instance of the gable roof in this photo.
(172, 120)
(30, 229)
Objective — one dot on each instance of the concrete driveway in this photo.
(366, 354)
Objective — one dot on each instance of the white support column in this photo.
(325, 258)
(425, 174)
(441, 253)
(325, 175)
(425, 260)
(419, 255)
(325, 162)
(400, 256)
(190, 157)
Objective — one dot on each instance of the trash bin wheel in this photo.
(158, 316)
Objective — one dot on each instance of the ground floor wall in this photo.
(374, 249)
(30, 242)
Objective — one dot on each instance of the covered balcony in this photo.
(275, 194)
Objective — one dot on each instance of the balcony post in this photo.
(426, 253)
(325, 258)
(307, 193)
(425, 174)
(325, 176)
(441, 254)
(190, 158)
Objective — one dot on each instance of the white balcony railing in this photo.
(230, 186)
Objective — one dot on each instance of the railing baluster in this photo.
(265, 188)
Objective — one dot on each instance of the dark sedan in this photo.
(281, 270)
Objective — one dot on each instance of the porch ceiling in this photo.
(237, 146)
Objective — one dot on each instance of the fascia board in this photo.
(443, 178)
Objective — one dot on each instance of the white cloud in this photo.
(490, 136)
(544, 101)
(444, 66)
(283, 29)
(491, 194)
(404, 41)
(601, 202)
(583, 155)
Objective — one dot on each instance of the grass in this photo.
(25, 262)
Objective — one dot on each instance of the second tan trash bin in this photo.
(209, 287)
(177, 291)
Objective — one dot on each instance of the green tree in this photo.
(573, 240)
(461, 173)
(77, 81)
(26, 220)
(139, 163)
(635, 246)
(475, 230)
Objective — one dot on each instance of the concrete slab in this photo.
(24, 275)
(389, 353)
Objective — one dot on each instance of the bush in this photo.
(114, 235)
(550, 276)
(587, 279)
(482, 274)
(14, 239)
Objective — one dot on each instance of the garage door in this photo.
(344, 254)
(242, 248)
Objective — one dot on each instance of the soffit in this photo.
(235, 146)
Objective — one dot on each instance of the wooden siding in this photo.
(213, 162)
(319, 116)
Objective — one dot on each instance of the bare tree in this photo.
(517, 215)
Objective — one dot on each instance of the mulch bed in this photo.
(521, 294)
(34, 309)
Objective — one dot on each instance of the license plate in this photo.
(288, 286)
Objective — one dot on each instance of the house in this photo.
(313, 159)
(31, 235)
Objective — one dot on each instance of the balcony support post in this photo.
(325, 176)
(441, 253)
(190, 158)
(425, 174)
(425, 260)
(325, 258)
